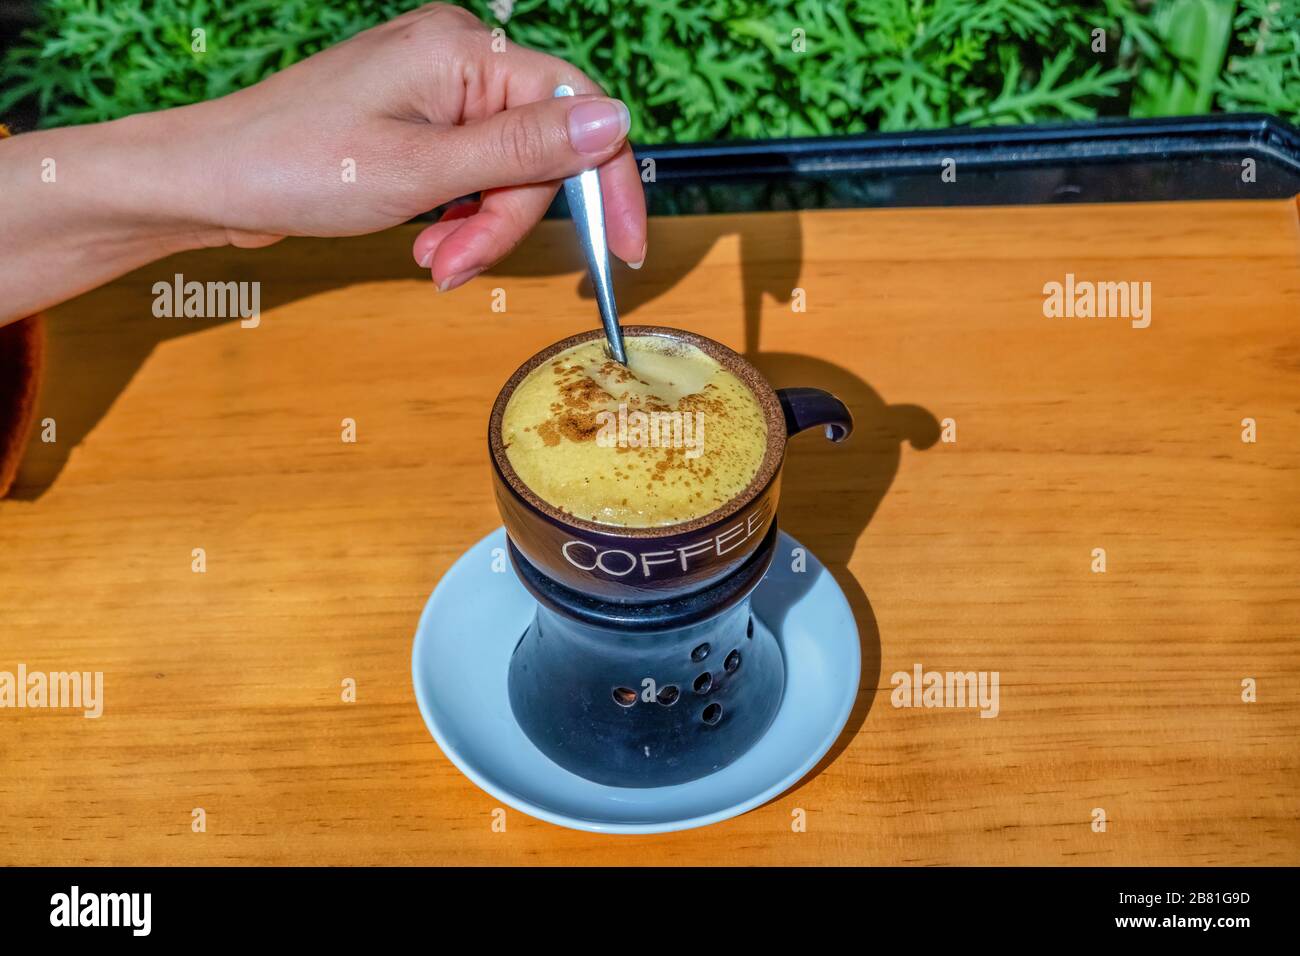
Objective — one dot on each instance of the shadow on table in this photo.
(97, 343)
(771, 253)
(92, 354)
(830, 492)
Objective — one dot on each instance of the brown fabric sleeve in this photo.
(22, 351)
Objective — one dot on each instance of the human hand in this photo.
(422, 108)
(428, 112)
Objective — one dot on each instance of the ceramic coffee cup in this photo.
(618, 564)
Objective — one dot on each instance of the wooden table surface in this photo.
(1120, 691)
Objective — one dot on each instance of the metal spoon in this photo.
(583, 193)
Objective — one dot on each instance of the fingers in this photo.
(471, 237)
(513, 141)
(511, 214)
(535, 143)
(427, 242)
(519, 181)
(625, 223)
(457, 250)
(521, 76)
(527, 76)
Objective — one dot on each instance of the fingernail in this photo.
(640, 262)
(598, 124)
(459, 279)
(426, 260)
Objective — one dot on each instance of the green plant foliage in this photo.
(1196, 35)
(698, 70)
(1263, 73)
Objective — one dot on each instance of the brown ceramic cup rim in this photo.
(733, 361)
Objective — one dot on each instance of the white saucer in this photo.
(459, 663)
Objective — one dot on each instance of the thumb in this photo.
(535, 143)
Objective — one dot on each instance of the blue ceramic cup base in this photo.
(460, 663)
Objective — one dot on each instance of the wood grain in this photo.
(1120, 691)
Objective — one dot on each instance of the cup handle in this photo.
(809, 407)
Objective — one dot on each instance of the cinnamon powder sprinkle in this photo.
(575, 406)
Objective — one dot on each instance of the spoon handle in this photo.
(588, 210)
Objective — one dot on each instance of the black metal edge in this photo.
(1125, 140)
